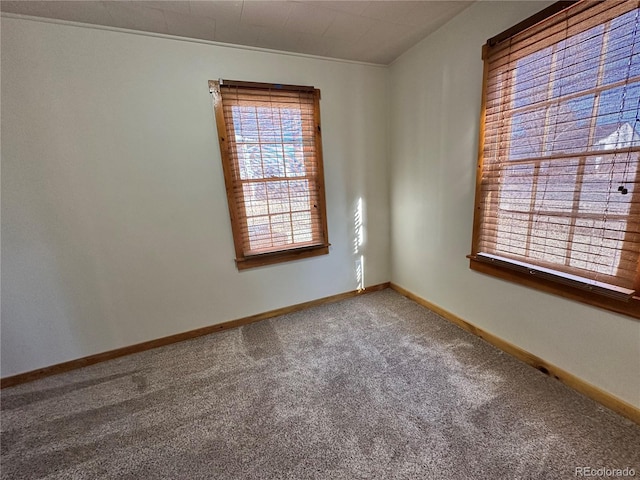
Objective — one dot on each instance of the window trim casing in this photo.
(242, 260)
(531, 277)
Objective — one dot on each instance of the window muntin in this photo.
(561, 140)
(272, 157)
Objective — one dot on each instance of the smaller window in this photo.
(270, 143)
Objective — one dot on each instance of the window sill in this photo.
(263, 259)
(611, 300)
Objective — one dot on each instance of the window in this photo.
(270, 143)
(557, 197)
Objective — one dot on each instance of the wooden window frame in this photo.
(535, 276)
(237, 212)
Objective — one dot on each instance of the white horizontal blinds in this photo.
(560, 177)
(274, 165)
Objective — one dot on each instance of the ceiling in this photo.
(367, 31)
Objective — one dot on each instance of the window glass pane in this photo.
(556, 185)
(245, 124)
(531, 77)
(249, 161)
(622, 59)
(291, 122)
(272, 160)
(569, 129)
(281, 230)
(596, 245)
(294, 160)
(302, 226)
(245, 127)
(578, 61)
(517, 187)
(549, 238)
(299, 191)
(255, 199)
(278, 193)
(259, 232)
(617, 107)
(603, 176)
(527, 130)
(269, 124)
(511, 235)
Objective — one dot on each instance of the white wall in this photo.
(115, 227)
(434, 136)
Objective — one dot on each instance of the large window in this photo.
(270, 142)
(557, 200)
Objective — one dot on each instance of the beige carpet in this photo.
(375, 387)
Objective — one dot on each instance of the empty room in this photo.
(320, 239)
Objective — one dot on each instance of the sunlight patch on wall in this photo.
(358, 244)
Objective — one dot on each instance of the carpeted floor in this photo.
(374, 387)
